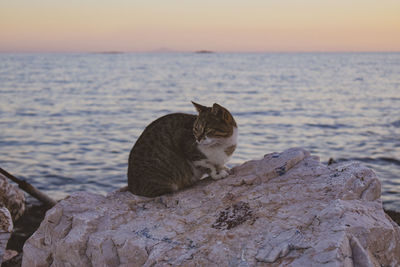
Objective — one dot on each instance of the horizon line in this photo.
(200, 51)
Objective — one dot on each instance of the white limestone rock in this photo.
(12, 198)
(286, 209)
(6, 227)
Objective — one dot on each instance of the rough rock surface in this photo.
(286, 209)
(12, 206)
(12, 198)
(6, 227)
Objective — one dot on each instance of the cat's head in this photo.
(212, 124)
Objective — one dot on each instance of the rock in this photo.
(285, 209)
(6, 227)
(12, 198)
(12, 206)
(9, 254)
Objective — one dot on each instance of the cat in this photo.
(178, 149)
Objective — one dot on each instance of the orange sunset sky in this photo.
(188, 25)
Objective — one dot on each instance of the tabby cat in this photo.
(178, 149)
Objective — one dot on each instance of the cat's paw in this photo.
(229, 171)
(219, 175)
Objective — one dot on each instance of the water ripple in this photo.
(68, 121)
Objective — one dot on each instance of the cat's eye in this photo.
(210, 131)
(216, 133)
(220, 133)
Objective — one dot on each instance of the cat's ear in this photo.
(220, 111)
(217, 109)
(199, 107)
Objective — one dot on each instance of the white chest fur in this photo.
(215, 151)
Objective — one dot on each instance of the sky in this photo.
(189, 25)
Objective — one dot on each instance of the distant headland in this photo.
(204, 52)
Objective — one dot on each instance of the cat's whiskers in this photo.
(209, 142)
(215, 143)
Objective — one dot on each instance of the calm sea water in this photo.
(68, 121)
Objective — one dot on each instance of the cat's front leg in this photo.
(216, 172)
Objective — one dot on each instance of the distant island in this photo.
(204, 52)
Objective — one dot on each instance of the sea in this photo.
(69, 121)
